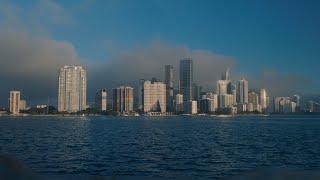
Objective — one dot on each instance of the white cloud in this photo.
(31, 63)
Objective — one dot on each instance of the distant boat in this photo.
(225, 115)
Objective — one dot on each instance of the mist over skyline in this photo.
(119, 42)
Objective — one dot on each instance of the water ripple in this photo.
(196, 147)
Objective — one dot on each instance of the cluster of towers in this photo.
(188, 97)
(236, 97)
(165, 97)
(161, 97)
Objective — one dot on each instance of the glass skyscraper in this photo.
(186, 78)
(242, 91)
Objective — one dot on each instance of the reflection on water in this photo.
(205, 147)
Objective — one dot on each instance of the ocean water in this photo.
(164, 147)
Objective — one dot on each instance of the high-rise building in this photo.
(123, 99)
(179, 103)
(209, 103)
(196, 91)
(253, 98)
(140, 95)
(186, 78)
(263, 99)
(169, 81)
(72, 93)
(190, 107)
(277, 105)
(313, 107)
(222, 87)
(291, 107)
(253, 102)
(14, 102)
(101, 101)
(287, 106)
(154, 96)
(242, 108)
(242, 91)
(205, 95)
(284, 105)
(213, 104)
(232, 89)
(226, 75)
(225, 101)
(226, 91)
(23, 105)
(296, 99)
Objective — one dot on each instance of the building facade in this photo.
(154, 96)
(14, 102)
(225, 101)
(190, 107)
(242, 91)
(101, 100)
(263, 99)
(23, 104)
(226, 91)
(186, 78)
(122, 99)
(196, 92)
(178, 103)
(222, 87)
(226, 75)
(313, 107)
(72, 91)
(208, 103)
(296, 99)
(169, 81)
(284, 105)
(254, 103)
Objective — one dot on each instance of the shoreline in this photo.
(143, 115)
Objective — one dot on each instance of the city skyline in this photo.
(72, 79)
(230, 96)
(40, 36)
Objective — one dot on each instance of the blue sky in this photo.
(283, 35)
(277, 35)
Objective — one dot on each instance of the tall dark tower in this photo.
(226, 75)
(169, 81)
(186, 78)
